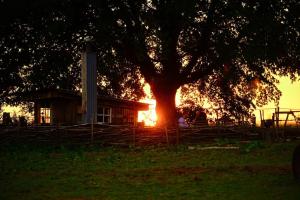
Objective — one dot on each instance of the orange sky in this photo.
(290, 99)
(290, 94)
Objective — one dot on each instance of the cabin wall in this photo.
(120, 113)
(62, 111)
(65, 110)
(36, 112)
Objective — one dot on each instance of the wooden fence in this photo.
(135, 136)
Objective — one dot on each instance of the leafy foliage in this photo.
(40, 48)
(222, 47)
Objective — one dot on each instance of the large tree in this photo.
(224, 47)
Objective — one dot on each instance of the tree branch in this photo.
(135, 48)
(203, 43)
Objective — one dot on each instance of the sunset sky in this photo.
(290, 99)
(290, 93)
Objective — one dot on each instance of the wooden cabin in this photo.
(54, 106)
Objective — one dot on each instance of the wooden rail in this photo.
(132, 136)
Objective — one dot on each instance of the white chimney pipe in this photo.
(89, 85)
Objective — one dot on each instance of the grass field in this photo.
(256, 171)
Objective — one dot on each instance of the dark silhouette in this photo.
(225, 120)
(22, 121)
(269, 123)
(221, 46)
(43, 119)
(296, 163)
(7, 121)
(253, 120)
(200, 118)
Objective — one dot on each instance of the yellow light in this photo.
(177, 98)
(149, 117)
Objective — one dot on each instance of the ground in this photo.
(256, 171)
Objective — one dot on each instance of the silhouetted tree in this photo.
(224, 47)
(40, 45)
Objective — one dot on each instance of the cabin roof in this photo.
(49, 94)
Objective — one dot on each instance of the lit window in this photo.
(45, 116)
(104, 115)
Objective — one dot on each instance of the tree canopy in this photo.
(40, 46)
(229, 50)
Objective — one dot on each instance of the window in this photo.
(45, 116)
(104, 115)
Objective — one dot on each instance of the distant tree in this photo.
(224, 47)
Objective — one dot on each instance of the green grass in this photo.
(257, 171)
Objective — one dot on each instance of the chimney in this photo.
(89, 85)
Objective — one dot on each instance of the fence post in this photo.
(177, 135)
(134, 136)
(92, 129)
(277, 116)
(167, 135)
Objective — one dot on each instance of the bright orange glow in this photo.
(254, 83)
(290, 99)
(149, 117)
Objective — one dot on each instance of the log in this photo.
(214, 148)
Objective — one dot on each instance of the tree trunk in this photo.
(165, 104)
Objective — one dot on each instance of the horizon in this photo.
(289, 100)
